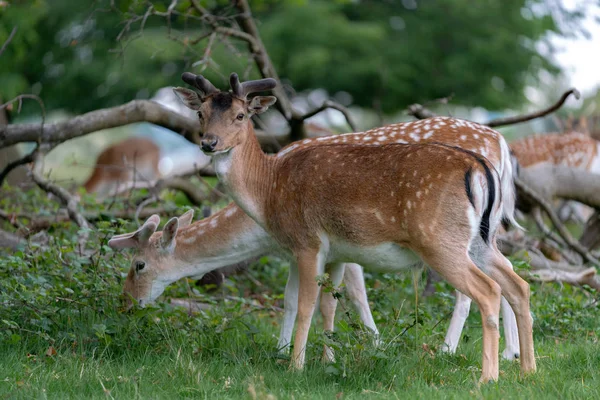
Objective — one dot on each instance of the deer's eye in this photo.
(199, 115)
(240, 117)
(139, 265)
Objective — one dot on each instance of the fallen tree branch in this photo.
(546, 270)
(132, 112)
(16, 163)
(331, 104)
(37, 223)
(551, 181)
(590, 238)
(523, 188)
(106, 118)
(67, 199)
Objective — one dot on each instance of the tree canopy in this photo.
(385, 54)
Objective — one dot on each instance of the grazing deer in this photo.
(415, 203)
(573, 149)
(183, 249)
(133, 159)
(218, 240)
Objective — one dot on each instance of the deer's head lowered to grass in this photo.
(386, 206)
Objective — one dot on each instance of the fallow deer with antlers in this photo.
(415, 203)
(230, 236)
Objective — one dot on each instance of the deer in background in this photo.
(415, 203)
(133, 159)
(230, 236)
(573, 149)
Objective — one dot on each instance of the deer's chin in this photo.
(217, 152)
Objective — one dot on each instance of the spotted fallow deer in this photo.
(573, 149)
(230, 236)
(387, 207)
(133, 159)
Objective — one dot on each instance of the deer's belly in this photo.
(382, 257)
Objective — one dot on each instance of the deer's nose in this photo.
(208, 144)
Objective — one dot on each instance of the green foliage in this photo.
(385, 54)
(63, 335)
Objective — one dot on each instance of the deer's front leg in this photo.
(290, 309)
(310, 264)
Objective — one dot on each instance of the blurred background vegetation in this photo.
(374, 56)
(381, 55)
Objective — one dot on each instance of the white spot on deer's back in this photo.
(230, 212)
(428, 135)
(287, 150)
(463, 137)
(188, 240)
(213, 222)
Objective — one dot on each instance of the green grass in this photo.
(232, 363)
(62, 336)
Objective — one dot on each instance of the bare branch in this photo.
(564, 233)
(528, 117)
(539, 221)
(129, 113)
(134, 111)
(16, 163)
(67, 199)
(261, 57)
(10, 38)
(546, 270)
(420, 112)
(336, 106)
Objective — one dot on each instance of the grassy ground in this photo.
(62, 336)
(234, 364)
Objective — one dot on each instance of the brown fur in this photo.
(304, 204)
(115, 165)
(573, 149)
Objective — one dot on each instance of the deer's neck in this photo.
(227, 237)
(248, 175)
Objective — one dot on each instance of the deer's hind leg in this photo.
(516, 291)
(455, 265)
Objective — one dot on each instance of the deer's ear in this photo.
(189, 97)
(138, 238)
(167, 241)
(186, 218)
(260, 104)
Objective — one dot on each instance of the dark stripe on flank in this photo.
(468, 186)
(484, 226)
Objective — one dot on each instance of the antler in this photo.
(199, 82)
(242, 90)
